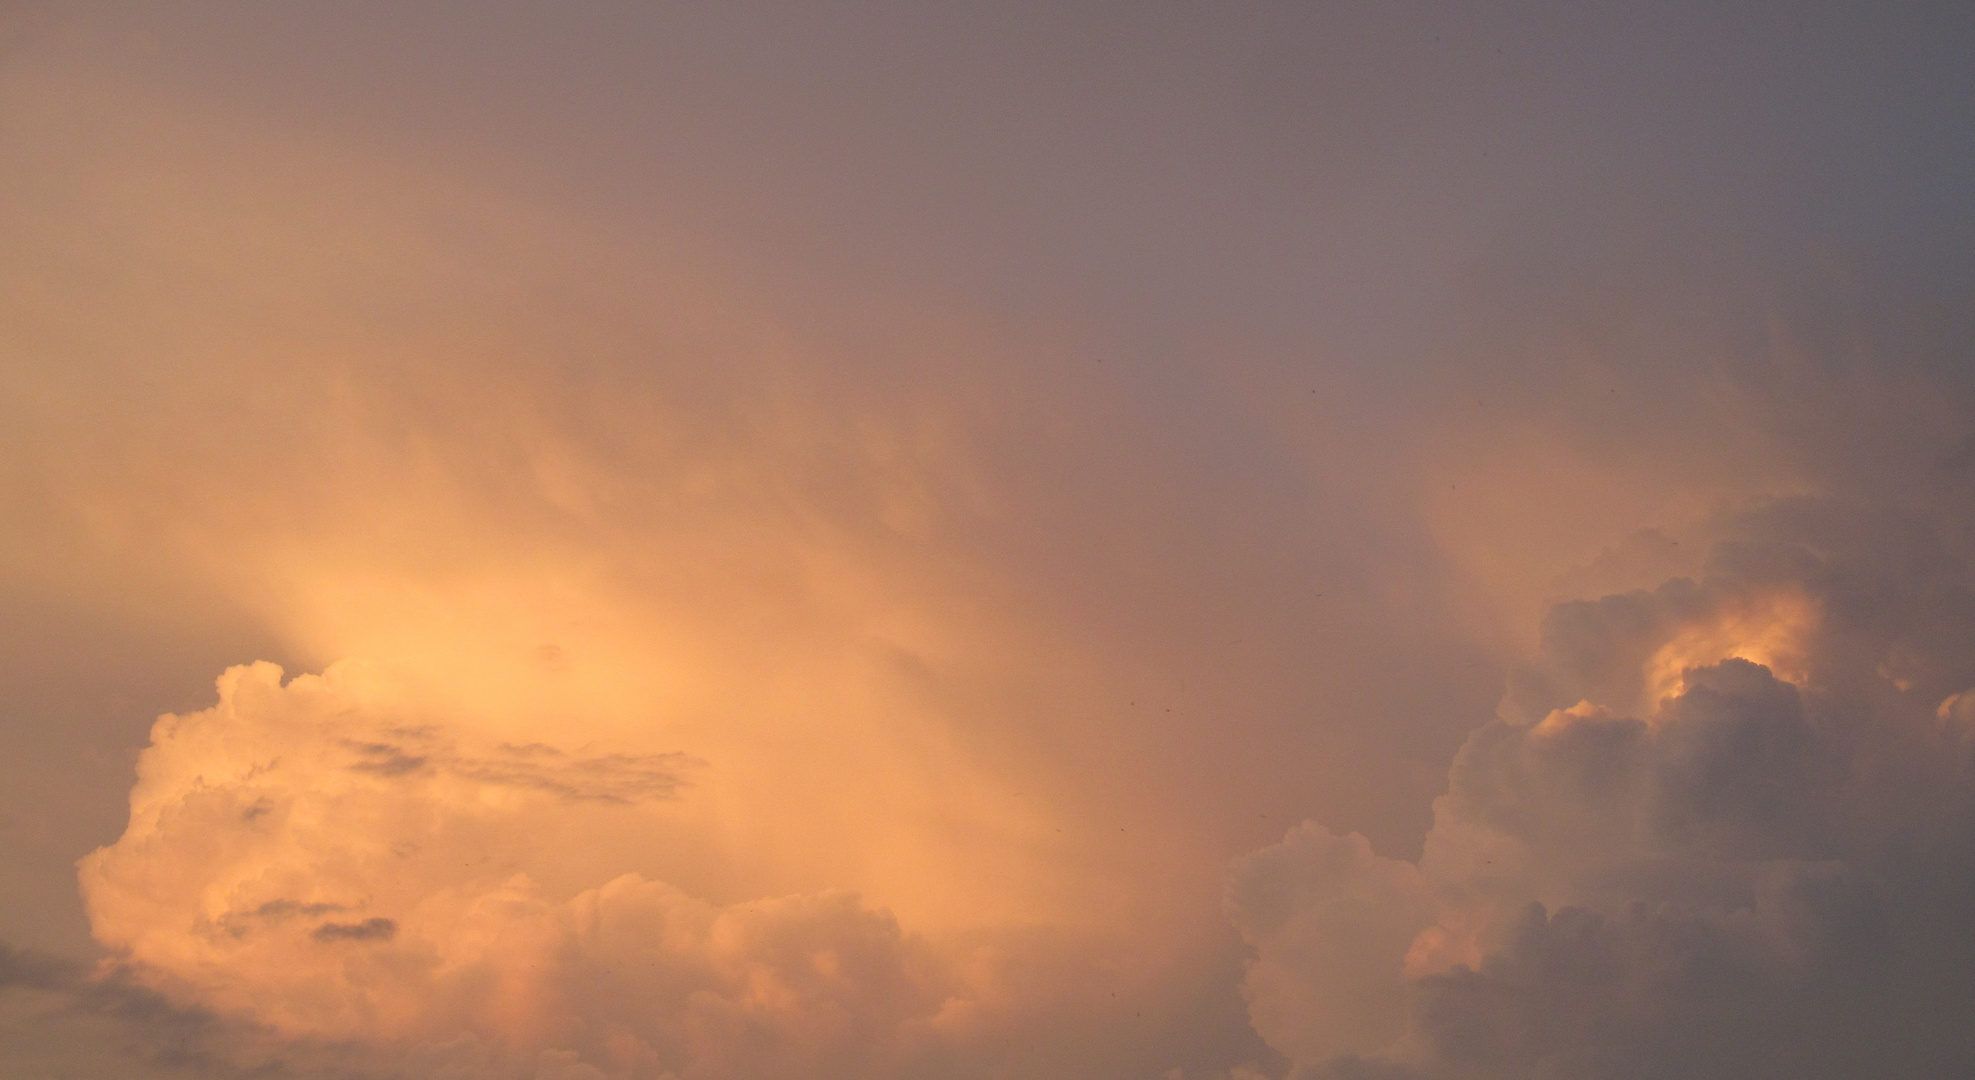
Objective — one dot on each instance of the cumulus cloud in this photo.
(1721, 828)
(301, 857)
(1333, 914)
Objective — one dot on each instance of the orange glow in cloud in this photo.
(1771, 628)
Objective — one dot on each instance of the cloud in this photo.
(300, 858)
(60, 1018)
(996, 587)
(1721, 828)
(762, 604)
(376, 928)
(341, 881)
(1333, 914)
(608, 778)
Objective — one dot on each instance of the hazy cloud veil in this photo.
(986, 542)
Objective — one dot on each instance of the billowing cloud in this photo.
(308, 857)
(1722, 828)
(334, 875)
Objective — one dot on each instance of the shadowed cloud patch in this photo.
(617, 778)
(372, 929)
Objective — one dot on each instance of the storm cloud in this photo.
(1721, 828)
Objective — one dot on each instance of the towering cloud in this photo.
(1724, 827)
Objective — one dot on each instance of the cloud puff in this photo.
(1333, 914)
(1722, 828)
(301, 857)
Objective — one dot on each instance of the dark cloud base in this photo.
(60, 1019)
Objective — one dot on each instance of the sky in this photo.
(878, 541)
